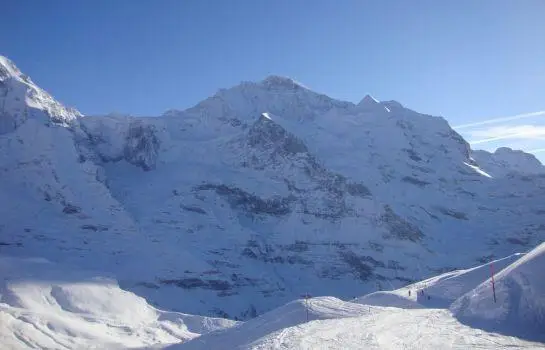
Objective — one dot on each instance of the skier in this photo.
(409, 292)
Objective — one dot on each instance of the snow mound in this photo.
(43, 306)
(289, 315)
(519, 308)
(388, 299)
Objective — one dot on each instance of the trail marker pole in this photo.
(306, 296)
(493, 284)
(306, 304)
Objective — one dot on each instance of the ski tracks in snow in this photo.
(389, 328)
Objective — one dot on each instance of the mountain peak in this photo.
(22, 99)
(281, 82)
(371, 105)
(368, 100)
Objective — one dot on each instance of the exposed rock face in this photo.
(398, 227)
(270, 136)
(142, 146)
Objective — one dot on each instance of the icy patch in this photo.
(478, 170)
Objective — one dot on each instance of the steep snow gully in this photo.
(257, 195)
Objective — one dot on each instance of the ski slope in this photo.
(397, 320)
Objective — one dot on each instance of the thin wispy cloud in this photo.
(517, 132)
(505, 132)
(501, 120)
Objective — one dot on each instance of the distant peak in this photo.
(369, 100)
(370, 104)
(277, 81)
(509, 152)
(504, 150)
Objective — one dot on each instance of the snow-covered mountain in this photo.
(257, 195)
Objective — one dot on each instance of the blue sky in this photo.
(469, 61)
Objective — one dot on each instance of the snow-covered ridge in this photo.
(506, 161)
(21, 99)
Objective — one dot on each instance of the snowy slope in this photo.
(372, 322)
(438, 291)
(383, 328)
(44, 305)
(255, 196)
(520, 299)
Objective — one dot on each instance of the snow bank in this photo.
(45, 306)
(520, 299)
(389, 299)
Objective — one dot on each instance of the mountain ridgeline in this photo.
(257, 195)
